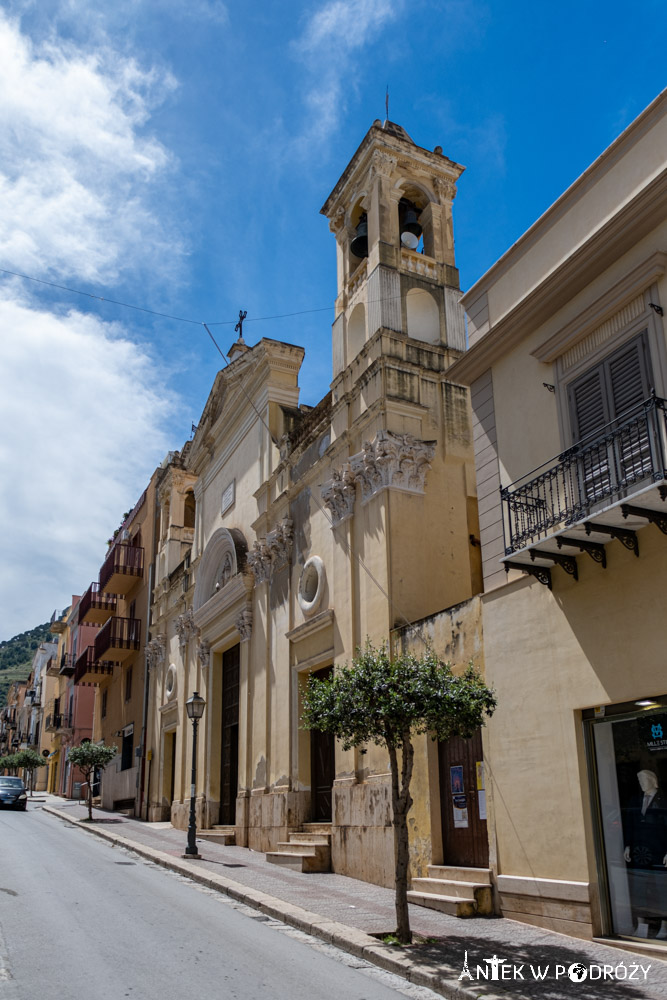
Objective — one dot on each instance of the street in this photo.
(80, 919)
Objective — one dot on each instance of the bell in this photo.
(410, 228)
(359, 245)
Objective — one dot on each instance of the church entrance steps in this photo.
(223, 835)
(462, 892)
(307, 850)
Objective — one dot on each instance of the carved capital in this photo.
(445, 189)
(393, 460)
(339, 494)
(155, 651)
(244, 624)
(186, 628)
(337, 220)
(271, 552)
(382, 165)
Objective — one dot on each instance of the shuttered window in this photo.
(605, 392)
(611, 394)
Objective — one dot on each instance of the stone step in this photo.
(310, 838)
(476, 875)
(225, 839)
(480, 894)
(221, 828)
(453, 905)
(321, 851)
(316, 828)
(310, 861)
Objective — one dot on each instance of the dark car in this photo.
(12, 793)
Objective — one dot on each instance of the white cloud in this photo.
(331, 39)
(83, 413)
(82, 410)
(74, 165)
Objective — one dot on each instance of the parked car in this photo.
(12, 793)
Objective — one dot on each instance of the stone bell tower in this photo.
(391, 213)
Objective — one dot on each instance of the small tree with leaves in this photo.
(29, 760)
(9, 763)
(388, 701)
(91, 757)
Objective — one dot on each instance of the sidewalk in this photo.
(346, 911)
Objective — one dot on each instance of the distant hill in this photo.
(16, 657)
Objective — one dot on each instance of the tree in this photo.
(388, 701)
(91, 757)
(9, 763)
(29, 760)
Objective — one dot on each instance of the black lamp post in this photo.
(195, 708)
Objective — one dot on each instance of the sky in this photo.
(174, 155)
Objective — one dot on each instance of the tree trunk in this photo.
(401, 802)
(90, 798)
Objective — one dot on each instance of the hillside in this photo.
(16, 657)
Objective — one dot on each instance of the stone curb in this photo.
(349, 939)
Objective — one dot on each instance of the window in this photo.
(607, 391)
(104, 704)
(127, 748)
(609, 423)
(128, 684)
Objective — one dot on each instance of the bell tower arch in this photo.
(391, 214)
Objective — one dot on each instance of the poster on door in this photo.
(481, 790)
(460, 807)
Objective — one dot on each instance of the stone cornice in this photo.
(605, 306)
(634, 221)
(324, 620)
(233, 595)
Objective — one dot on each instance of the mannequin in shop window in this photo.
(645, 830)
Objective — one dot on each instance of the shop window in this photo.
(631, 766)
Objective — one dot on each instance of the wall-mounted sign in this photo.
(228, 497)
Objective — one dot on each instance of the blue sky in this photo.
(176, 155)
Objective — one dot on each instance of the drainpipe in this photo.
(147, 676)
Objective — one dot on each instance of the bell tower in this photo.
(391, 213)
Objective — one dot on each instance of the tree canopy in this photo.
(389, 701)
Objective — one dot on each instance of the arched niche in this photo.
(223, 558)
(356, 331)
(423, 316)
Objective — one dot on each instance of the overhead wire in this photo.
(193, 322)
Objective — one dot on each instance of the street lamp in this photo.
(194, 706)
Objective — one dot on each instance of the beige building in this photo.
(315, 528)
(567, 364)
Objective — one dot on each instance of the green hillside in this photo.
(16, 656)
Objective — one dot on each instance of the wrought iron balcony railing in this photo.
(627, 454)
(67, 664)
(118, 637)
(124, 564)
(96, 606)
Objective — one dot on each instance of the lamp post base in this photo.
(193, 856)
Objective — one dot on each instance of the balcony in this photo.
(89, 669)
(118, 639)
(609, 485)
(53, 667)
(64, 723)
(122, 568)
(66, 665)
(96, 606)
(52, 723)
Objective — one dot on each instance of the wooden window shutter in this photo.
(588, 404)
(627, 377)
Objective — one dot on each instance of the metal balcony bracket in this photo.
(568, 563)
(662, 490)
(626, 536)
(657, 517)
(596, 550)
(541, 573)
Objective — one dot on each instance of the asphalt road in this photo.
(81, 920)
